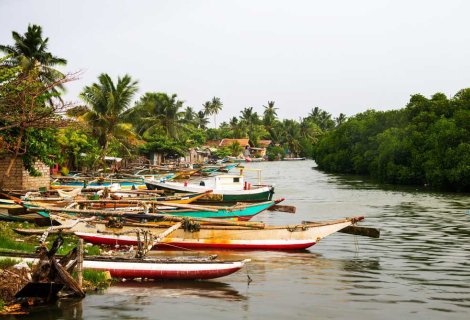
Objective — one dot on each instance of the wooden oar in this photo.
(362, 231)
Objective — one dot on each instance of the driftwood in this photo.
(362, 231)
(51, 275)
(283, 208)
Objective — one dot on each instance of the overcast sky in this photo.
(343, 56)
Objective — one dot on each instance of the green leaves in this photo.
(427, 143)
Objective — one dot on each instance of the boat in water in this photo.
(216, 237)
(185, 268)
(225, 188)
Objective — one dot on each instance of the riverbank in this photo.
(14, 273)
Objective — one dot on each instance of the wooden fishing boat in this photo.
(165, 200)
(239, 211)
(72, 183)
(157, 268)
(225, 188)
(216, 237)
(12, 210)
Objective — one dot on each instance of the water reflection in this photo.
(205, 289)
(419, 268)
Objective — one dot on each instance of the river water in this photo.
(418, 269)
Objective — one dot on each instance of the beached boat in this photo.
(225, 188)
(214, 237)
(156, 211)
(157, 268)
(11, 209)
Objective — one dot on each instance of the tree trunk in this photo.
(17, 151)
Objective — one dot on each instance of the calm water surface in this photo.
(419, 268)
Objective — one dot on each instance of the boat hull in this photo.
(217, 237)
(166, 271)
(162, 269)
(257, 194)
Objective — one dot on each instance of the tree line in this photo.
(36, 124)
(426, 143)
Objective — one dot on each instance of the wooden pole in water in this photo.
(80, 263)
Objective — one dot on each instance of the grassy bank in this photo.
(11, 241)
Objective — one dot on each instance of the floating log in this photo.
(362, 231)
(283, 208)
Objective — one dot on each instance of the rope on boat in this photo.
(190, 225)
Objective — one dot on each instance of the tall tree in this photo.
(160, 113)
(270, 114)
(213, 107)
(201, 120)
(340, 119)
(25, 117)
(30, 52)
(107, 103)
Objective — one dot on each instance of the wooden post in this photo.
(80, 263)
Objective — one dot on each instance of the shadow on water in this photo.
(62, 309)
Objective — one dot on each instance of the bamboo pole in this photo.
(167, 232)
(80, 263)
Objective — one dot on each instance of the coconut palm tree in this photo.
(189, 115)
(270, 114)
(213, 107)
(340, 119)
(30, 51)
(201, 120)
(107, 103)
(158, 111)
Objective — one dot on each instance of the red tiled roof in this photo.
(212, 143)
(229, 142)
(264, 143)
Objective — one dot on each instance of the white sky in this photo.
(343, 56)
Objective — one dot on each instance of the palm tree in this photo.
(251, 119)
(213, 107)
(340, 119)
(201, 120)
(106, 104)
(189, 115)
(291, 134)
(30, 51)
(158, 111)
(270, 114)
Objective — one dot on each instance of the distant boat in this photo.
(294, 159)
(245, 159)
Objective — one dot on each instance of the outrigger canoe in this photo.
(239, 211)
(216, 237)
(225, 188)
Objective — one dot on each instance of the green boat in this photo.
(225, 188)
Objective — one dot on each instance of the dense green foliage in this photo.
(427, 143)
